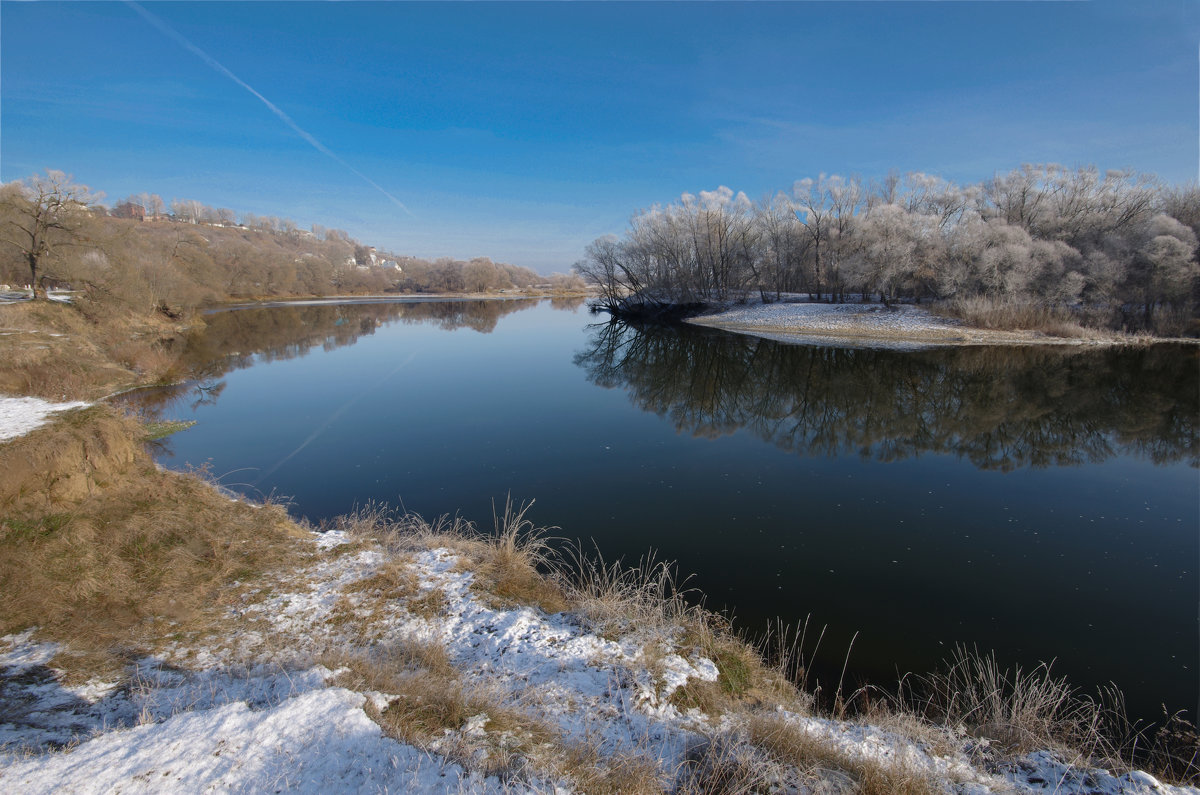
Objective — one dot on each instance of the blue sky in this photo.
(523, 131)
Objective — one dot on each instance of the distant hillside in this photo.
(140, 256)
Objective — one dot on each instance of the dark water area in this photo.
(1042, 502)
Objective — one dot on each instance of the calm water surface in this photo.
(1043, 503)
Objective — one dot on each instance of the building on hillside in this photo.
(130, 210)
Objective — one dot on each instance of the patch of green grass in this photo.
(161, 429)
(24, 530)
(734, 674)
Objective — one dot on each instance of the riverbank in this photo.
(159, 635)
(60, 352)
(900, 326)
(502, 295)
(388, 654)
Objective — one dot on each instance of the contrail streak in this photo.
(286, 119)
(330, 420)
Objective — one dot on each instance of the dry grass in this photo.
(885, 714)
(510, 566)
(514, 564)
(386, 667)
(1171, 751)
(725, 765)
(1020, 710)
(55, 351)
(429, 705)
(398, 533)
(1012, 314)
(744, 679)
(615, 600)
(424, 692)
(57, 465)
(593, 771)
(817, 756)
(367, 602)
(95, 539)
(648, 602)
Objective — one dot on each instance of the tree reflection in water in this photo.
(234, 339)
(998, 407)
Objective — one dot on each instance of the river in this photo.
(1041, 502)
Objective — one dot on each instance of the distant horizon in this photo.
(521, 132)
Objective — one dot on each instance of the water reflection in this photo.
(916, 555)
(286, 331)
(238, 338)
(999, 408)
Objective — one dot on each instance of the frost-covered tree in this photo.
(1164, 268)
(813, 211)
(782, 245)
(1088, 242)
(888, 242)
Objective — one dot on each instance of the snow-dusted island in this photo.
(900, 326)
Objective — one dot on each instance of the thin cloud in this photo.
(286, 119)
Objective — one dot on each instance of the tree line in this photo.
(1115, 249)
(55, 232)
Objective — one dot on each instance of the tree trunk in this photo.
(39, 292)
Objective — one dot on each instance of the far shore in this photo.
(876, 325)
(400, 298)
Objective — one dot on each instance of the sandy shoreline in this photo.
(872, 325)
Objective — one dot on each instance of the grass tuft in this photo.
(515, 565)
(724, 765)
(817, 755)
(1020, 710)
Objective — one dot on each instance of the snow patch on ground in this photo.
(319, 741)
(20, 415)
(804, 321)
(900, 326)
(253, 710)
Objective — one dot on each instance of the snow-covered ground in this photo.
(251, 709)
(20, 415)
(901, 326)
(11, 296)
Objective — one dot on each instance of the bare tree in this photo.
(818, 221)
(845, 197)
(782, 246)
(605, 267)
(45, 212)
